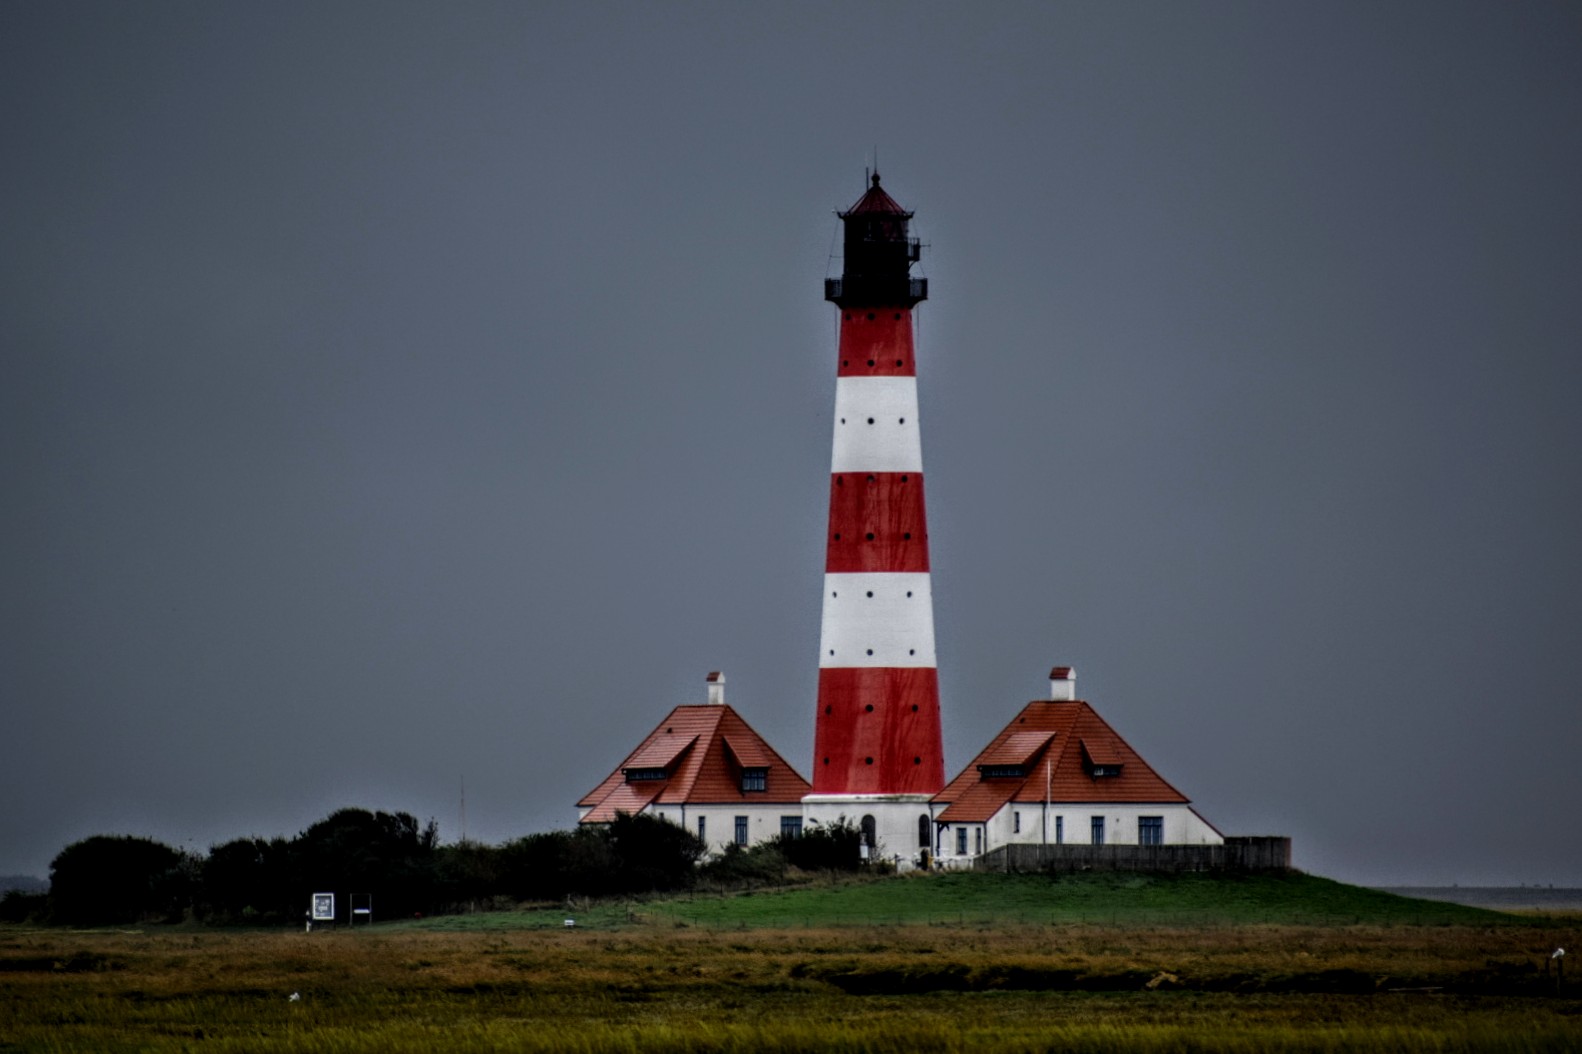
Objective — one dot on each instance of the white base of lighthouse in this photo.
(901, 826)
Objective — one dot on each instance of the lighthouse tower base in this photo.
(896, 827)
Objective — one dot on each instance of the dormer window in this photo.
(755, 779)
(1100, 758)
(640, 775)
(1002, 772)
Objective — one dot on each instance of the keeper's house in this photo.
(705, 769)
(1058, 774)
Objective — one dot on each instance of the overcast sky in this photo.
(396, 395)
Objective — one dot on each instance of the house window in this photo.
(1001, 772)
(924, 835)
(755, 779)
(1016, 822)
(741, 830)
(961, 841)
(703, 828)
(1060, 830)
(790, 827)
(1098, 830)
(1150, 830)
(636, 775)
(870, 832)
(977, 840)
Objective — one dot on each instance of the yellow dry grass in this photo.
(661, 987)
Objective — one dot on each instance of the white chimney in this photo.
(1062, 684)
(716, 682)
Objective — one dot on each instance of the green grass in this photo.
(974, 898)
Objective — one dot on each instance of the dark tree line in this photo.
(109, 879)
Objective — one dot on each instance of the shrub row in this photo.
(109, 879)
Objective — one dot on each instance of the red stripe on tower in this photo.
(878, 727)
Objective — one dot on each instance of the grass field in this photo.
(1083, 964)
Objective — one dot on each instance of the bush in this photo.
(356, 851)
(653, 855)
(117, 879)
(21, 906)
(823, 847)
(764, 864)
(248, 880)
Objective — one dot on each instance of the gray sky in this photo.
(394, 394)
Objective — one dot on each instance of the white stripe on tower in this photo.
(876, 425)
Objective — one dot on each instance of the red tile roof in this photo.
(721, 743)
(1075, 727)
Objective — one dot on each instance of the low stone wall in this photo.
(1256, 853)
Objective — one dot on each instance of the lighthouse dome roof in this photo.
(876, 202)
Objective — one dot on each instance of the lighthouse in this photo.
(877, 755)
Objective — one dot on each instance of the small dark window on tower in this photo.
(908, 592)
(870, 536)
(870, 592)
(870, 651)
(842, 420)
(826, 761)
(871, 479)
(898, 362)
(832, 651)
(870, 316)
(898, 316)
(870, 420)
(870, 362)
(914, 708)
(835, 593)
(903, 420)
(907, 537)
(829, 709)
(868, 708)
(867, 761)
(839, 480)
(909, 651)
(917, 761)
(837, 536)
(845, 362)
(905, 478)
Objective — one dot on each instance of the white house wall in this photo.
(1182, 826)
(895, 819)
(719, 821)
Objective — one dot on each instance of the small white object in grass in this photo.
(296, 997)
(570, 923)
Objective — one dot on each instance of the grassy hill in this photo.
(1191, 900)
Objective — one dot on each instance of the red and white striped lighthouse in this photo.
(877, 741)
